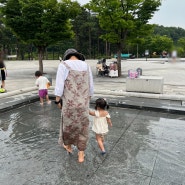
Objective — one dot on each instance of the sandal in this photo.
(103, 153)
(68, 148)
(81, 156)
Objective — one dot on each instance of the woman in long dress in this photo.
(74, 85)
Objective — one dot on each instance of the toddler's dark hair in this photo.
(101, 103)
(38, 73)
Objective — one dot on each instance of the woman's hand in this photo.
(59, 106)
(58, 102)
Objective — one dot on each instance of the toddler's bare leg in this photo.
(3, 84)
(47, 99)
(41, 101)
(100, 142)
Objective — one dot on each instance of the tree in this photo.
(174, 32)
(40, 22)
(181, 43)
(123, 20)
(87, 32)
(158, 44)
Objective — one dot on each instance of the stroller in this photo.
(101, 68)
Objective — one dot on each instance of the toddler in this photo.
(101, 121)
(42, 82)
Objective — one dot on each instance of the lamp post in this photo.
(146, 53)
(137, 46)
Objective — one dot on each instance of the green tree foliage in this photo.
(40, 22)
(181, 43)
(87, 33)
(158, 44)
(173, 32)
(123, 20)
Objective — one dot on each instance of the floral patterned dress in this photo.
(75, 109)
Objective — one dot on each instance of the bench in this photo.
(11, 56)
(148, 84)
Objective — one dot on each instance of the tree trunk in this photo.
(106, 49)
(89, 42)
(119, 59)
(41, 50)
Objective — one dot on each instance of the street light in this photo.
(146, 53)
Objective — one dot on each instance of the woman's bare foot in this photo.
(81, 156)
(68, 148)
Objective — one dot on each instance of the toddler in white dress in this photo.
(101, 121)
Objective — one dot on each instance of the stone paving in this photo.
(143, 147)
(21, 74)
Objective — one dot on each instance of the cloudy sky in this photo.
(171, 13)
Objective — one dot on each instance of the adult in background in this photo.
(3, 72)
(74, 85)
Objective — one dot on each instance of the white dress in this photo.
(100, 125)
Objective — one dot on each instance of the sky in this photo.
(170, 13)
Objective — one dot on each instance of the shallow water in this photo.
(143, 147)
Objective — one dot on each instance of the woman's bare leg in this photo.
(47, 99)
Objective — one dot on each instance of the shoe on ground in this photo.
(103, 152)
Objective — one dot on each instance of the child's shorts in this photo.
(43, 93)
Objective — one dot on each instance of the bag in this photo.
(133, 74)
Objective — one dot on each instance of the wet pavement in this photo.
(143, 147)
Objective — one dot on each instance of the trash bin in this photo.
(49, 78)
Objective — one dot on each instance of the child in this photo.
(42, 82)
(3, 72)
(101, 121)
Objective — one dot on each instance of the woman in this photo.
(74, 85)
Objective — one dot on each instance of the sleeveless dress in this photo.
(75, 109)
(100, 125)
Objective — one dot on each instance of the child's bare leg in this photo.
(47, 99)
(3, 84)
(41, 101)
(100, 142)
